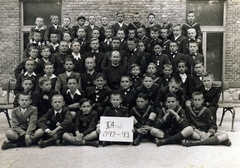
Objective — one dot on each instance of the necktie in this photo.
(58, 117)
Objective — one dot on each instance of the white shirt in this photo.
(183, 77)
(30, 75)
(51, 77)
(72, 95)
(76, 56)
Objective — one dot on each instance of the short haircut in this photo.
(24, 94)
(142, 95)
(30, 59)
(32, 48)
(75, 41)
(135, 40)
(98, 75)
(116, 38)
(81, 17)
(191, 12)
(197, 93)
(53, 33)
(58, 96)
(134, 66)
(158, 43)
(116, 51)
(142, 27)
(142, 41)
(120, 12)
(167, 66)
(44, 47)
(116, 93)
(154, 29)
(176, 79)
(27, 78)
(126, 76)
(191, 29)
(153, 64)
(173, 42)
(52, 16)
(208, 74)
(177, 25)
(164, 29)
(94, 39)
(151, 14)
(198, 62)
(121, 30)
(67, 18)
(48, 63)
(83, 100)
(81, 29)
(71, 77)
(43, 79)
(90, 58)
(171, 95)
(147, 76)
(63, 40)
(193, 42)
(39, 18)
(68, 58)
(182, 61)
(95, 29)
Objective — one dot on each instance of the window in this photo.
(211, 16)
(31, 9)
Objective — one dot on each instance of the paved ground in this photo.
(119, 156)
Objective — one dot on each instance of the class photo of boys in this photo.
(119, 83)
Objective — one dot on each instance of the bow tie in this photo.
(193, 54)
(98, 89)
(174, 54)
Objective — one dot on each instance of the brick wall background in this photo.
(232, 57)
(9, 38)
(176, 9)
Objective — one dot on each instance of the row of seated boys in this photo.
(74, 115)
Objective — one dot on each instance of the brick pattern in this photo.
(175, 9)
(9, 38)
(232, 61)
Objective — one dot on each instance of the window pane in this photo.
(215, 54)
(25, 40)
(208, 13)
(32, 10)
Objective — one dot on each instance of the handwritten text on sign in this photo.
(116, 129)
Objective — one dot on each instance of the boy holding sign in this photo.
(144, 117)
(115, 110)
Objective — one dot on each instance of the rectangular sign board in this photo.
(118, 129)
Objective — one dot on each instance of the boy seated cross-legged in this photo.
(24, 119)
(204, 128)
(171, 124)
(54, 123)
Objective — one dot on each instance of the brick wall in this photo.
(9, 38)
(176, 9)
(232, 57)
